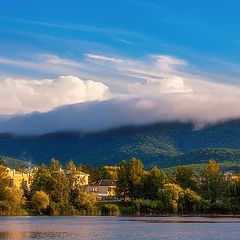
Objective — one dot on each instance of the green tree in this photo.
(122, 180)
(110, 172)
(135, 174)
(233, 190)
(86, 200)
(152, 181)
(184, 178)
(76, 183)
(55, 165)
(171, 195)
(3, 181)
(42, 180)
(71, 171)
(59, 187)
(54, 183)
(213, 185)
(70, 166)
(14, 196)
(40, 201)
(190, 199)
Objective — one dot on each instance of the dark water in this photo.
(103, 228)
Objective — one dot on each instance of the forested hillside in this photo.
(163, 144)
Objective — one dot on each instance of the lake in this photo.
(119, 228)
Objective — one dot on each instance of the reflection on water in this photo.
(119, 228)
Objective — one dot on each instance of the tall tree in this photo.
(171, 195)
(151, 183)
(55, 165)
(110, 172)
(70, 166)
(213, 185)
(135, 174)
(122, 180)
(184, 177)
(60, 187)
(42, 180)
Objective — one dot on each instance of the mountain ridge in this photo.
(164, 144)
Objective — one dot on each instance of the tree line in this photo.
(184, 192)
(142, 191)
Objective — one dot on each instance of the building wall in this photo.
(83, 178)
(102, 190)
(17, 179)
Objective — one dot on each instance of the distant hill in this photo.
(162, 144)
(13, 163)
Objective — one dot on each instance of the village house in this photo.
(104, 189)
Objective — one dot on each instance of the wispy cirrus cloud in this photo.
(49, 64)
(75, 27)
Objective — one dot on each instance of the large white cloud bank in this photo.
(24, 96)
(198, 108)
(155, 90)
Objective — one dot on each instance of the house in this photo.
(104, 189)
(18, 179)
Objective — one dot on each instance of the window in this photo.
(11, 183)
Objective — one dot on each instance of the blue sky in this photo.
(205, 33)
(179, 59)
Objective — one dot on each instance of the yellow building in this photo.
(81, 177)
(18, 179)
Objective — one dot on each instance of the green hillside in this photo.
(13, 163)
(163, 144)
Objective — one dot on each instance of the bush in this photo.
(7, 209)
(53, 209)
(130, 210)
(146, 206)
(40, 201)
(86, 201)
(61, 209)
(110, 210)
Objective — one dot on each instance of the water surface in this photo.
(119, 228)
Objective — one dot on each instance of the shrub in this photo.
(110, 209)
(40, 201)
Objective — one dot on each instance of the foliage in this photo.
(122, 180)
(184, 177)
(135, 173)
(213, 184)
(86, 200)
(40, 201)
(110, 210)
(56, 191)
(159, 144)
(13, 162)
(171, 194)
(3, 181)
(152, 181)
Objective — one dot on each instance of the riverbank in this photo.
(136, 208)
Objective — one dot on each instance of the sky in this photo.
(111, 63)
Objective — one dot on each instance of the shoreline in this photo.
(139, 216)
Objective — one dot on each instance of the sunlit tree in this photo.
(40, 201)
